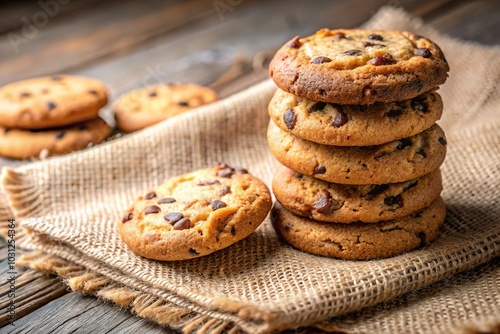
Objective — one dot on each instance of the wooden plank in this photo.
(33, 290)
(473, 20)
(74, 312)
(15, 14)
(236, 27)
(93, 32)
(213, 47)
(429, 9)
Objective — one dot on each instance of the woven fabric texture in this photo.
(72, 205)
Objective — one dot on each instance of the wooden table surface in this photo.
(127, 44)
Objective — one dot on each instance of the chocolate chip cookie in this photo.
(397, 161)
(331, 202)
(195, 214)
(354, 125)
(143, 107)
(23, 144)
(360, 241)
(48, 102)
(359, 66)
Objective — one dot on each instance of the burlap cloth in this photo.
(72, 206)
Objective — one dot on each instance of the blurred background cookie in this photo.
(52, 101)
(146, 106)
(23, 144)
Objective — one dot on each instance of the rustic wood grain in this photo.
(133, 45)
(474, 20)
(34, 291)
(74, 313)
(95, 32)
(14, 12)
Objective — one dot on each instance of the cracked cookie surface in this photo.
(354, 125)
(330, 202)
(359, 241)
(195, 214)
(48, 102)
(397, 161)
(359, 66)
(146, 106)
(23, 144)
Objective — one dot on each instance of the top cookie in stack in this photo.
(350, 66)
(353, 121)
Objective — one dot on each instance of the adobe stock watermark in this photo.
(11, 272)
(223, 6)
(32, 25)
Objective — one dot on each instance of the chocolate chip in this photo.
(182, 224)
(320, 60)
(59, 134)
(128, 216)
(375, 37)
(403, 143)
(193, 252)
(442, 141)
(173, 217)
(325, 203)
(340, 35)
(393, 200)
(422, 153)
(151, 209)
(207, 182)
(82, 127)
(152, 94)
(318, 106)
(423, 52)
(93, 92)
(299, 176)
(51, 105)
(150, 195)
(217, 204)
(394, 113)
(233, 230)
(377, 189)
(295, 42)
(374, 45)
(6, 130)
(225, 172)
(386, 59)
(423, 239)
(224, 190)
(319, 169)
(340, 119)
(411, 185)
(289, 118)
(222, 165)
(322, 92)
(183, 103)
(25, 94)
(353, 53)
(166, 200)
(239, 170)
(418, 104)
(416, 214)
(287, 226)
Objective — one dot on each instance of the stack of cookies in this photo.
(353, 124)
(51, 116)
